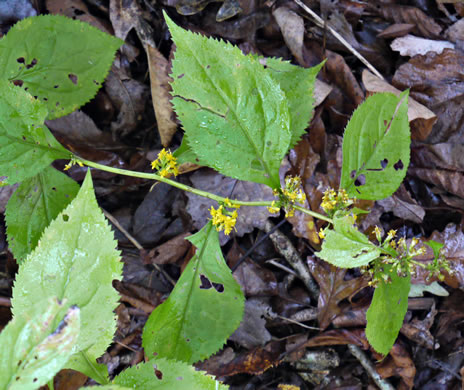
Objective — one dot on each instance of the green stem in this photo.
(217, 198)
(313, 213)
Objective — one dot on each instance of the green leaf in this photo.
(386, 314)
(33, 348)
(345, 246)
(184, 152)
(86, 364)
(203, 310)
(376, 147)
(234, 113)
(26, 145)
(163, 374)
(298, 86)
(34, 204)
(436, 247)
(75, 260)
(60, 60)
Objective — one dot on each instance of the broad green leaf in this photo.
(203, 310)
(163, 374)
(376, 147)
(298, 86)
(234, 113)
(26, 145)
(34, 204)
(386, 314)
(75, 260)
(345, 246)
(61, 61)
(36, 344)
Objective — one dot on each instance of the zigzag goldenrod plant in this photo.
(241, 115)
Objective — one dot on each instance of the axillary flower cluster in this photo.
(165, 164)
(399, 256)
(288, 196)
(224, 219)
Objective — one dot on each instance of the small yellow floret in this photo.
(223, 221)
(321, 234)
(165, 164)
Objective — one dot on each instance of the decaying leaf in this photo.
(428, 77)
(159, 82)
(334, 289)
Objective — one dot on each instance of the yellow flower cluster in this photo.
(288, 196)
(224, 219)
(333, 201)
(165, 164)
(293, 191)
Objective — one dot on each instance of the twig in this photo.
(282, 267)
(288, 251)
(298, 323)
(318, 20)
(134, 242)
(369, 367)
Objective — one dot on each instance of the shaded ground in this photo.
(287, 336)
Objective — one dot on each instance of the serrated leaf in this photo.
(376, 147)
(34, 204)
(345, 246)
(26, 145)
(36, 345)
(75, 260)
(298, 86)
(387, 310)
(203, 310)
(61, 61)
(234, 113)
(163, 374)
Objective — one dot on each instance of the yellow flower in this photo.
(165, 164)
(321, 234)
(273, 208)
(378, 233)
(391, 234)
(223, 219)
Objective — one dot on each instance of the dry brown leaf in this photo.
(420, 117)
(398, 363)
(321, 91)
(292, 27)
(160, 93)
(169, 252)
(76, 9)
(334, 289)
(437, 81)
(339, 337)
(254, 362)
(425, 25)
(396, 30)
